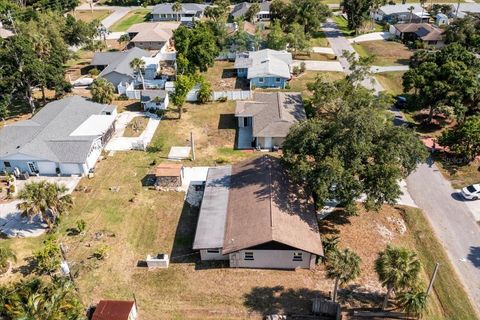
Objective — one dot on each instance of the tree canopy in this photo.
(464, 139)
(357, 12)
(445, 81)
(466, 32)
(102, 91)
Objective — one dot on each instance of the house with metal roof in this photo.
(401, 13)
(115, 310)
(188, 12)
(240, 10)
(65, 137)
(264, 122)
(265, 68)
(253, 216)
(151, 35)
(115, 66)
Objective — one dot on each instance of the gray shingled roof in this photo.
(118, 62)
(47, 135)
(213, 212)
(190, 8)
(241, 9)
(265, 63)
(273, 113)
(401, 8)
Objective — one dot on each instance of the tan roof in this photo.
(263, 206)
(248, 27)
(169, 170)
(273, 113)
(153, 31)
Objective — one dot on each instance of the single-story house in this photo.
(254, 217)
(151, 35)
(265, 121)
(168, 175)
(65, 137)
(265, 68)
(189, 12)
(115, 66)
(429, 34)
(154, 99)
(441, 19)
(240, 10)
(115, 310)
(401, 13)
(464, 9)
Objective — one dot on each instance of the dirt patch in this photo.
(136, 126)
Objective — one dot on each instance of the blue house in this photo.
(265, 68)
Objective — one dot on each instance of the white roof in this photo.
(95, 125)
(399, 8)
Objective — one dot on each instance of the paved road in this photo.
(452, 222)
(451, 219)
(326, 50)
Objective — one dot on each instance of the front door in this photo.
(268, 143)
(33, 167)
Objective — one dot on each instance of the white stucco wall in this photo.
(272, 259)
(204, 255)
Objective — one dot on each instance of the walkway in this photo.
(380, 69)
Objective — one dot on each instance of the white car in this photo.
(471, 192)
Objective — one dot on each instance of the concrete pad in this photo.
(194, 175)
(379, 69)
(326, 50)
(179, 153)
(316, 65)
(373, 36)
(472, 205)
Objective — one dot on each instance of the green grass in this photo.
(447, 287)
(299, 84)
(387, 53)
(319, 40)
(343, 25)
(391, 81)
(133, 17)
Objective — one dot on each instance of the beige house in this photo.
(152, 35)
(264, 122)
(429, 34)
(252, 216)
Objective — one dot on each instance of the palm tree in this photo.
(138, 65)
(413, 301)
(102, 91)
(410, 9)
(343, 266)
(44, 199)
(397, 268)
(6, 254)
(177, 7)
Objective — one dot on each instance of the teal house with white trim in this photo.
(265, 68)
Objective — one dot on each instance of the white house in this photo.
(249, 218)
(154, 100)
(65, 137)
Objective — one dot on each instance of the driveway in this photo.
(452, 222)
(326, 50)
(380, 69)
(316, 65)
(374, 36)
(13, 224)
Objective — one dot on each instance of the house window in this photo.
(260, 80)
(213, 250)
(297, 256)
(245, 122)
(277, 79)
(7, 164)
(248, 256)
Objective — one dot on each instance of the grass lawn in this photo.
(386, 53)
(90, 15)
(136, 127)
(319, 40)
(343, 25)
(391, 81)
(222, 76)
(133, 17)
(299, 84)
(460, 175)
(447, 287)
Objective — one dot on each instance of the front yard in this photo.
(387, 53)
(90, 15)
(131, 18)
(299, 83)
(392, 82)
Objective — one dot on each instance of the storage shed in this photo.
(168, 175)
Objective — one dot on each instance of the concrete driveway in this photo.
(374, 36)
(380, 69)
(13, 224)
(316, 65)
(325, 50)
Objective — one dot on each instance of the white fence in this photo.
(192, 96)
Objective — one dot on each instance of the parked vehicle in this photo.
(472, 192)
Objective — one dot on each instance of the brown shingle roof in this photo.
(169, 170)
(424, 31)
(263, 206)
(112, 310)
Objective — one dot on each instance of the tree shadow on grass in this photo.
(329, 225)
(278, 299)
(356, 296)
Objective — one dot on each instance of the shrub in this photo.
(94, 72)
(101, 252)
(205, 92)
(222, 99)
(122, 97)
(81, 225)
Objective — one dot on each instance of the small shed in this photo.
(441, 19)
(168, 175)
(115, 310)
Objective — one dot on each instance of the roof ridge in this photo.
(280, 112)
(269, 167)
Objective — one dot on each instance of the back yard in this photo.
(90, 15)
(387, 53)
(133, 17)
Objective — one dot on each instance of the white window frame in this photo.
(278, 79)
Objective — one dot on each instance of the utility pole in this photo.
(64, 257)
(192, 144)
(430, 285)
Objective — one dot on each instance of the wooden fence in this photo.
(326, 307)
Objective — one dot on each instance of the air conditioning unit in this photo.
(160, 260)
